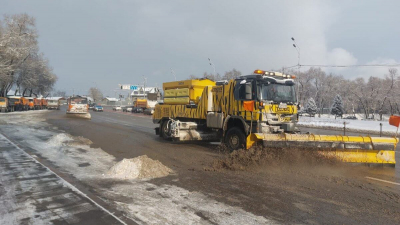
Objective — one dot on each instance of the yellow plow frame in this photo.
(373, 150)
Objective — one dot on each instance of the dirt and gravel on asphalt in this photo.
(286, 185)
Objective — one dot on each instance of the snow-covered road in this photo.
(47, 198)
(30, 193)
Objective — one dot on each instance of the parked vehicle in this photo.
(148, 111)
(6, 105)
(53, 104)
(43, 103)
(20, 103)
(98, 108)
(37, 103)
(31, 105)
(11, 103)
(350, 117)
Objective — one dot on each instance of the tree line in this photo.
(22, 66)
(332, 93)
(376, 95)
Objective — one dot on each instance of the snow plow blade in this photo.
(79, 115)
(370, 150)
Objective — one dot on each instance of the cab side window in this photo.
(243, 90)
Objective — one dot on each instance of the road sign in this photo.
(125, 87)
(133, 87)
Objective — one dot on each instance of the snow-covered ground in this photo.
(329, 121)
(142, 201)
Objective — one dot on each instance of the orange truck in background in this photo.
(43, 103)
(20, 103)
(31, 105)
(37, 103)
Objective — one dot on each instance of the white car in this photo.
(129, 109)
(117, 108)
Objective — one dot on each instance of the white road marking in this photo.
(66, 182)
(386, 181)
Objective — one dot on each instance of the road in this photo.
(288, 188)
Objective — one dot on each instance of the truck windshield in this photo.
(2, 100)
(78, 101)
(278, 93)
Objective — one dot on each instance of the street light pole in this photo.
(298, 51)
(298, 63)
(173, 73)
(212, 64)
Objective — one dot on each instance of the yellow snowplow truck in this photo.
(257, 108)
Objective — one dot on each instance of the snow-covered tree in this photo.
(96, 94)
(311, 107)
(21, 64)
(337, 106)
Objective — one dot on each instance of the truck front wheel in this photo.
(235, 139)
(164, 131)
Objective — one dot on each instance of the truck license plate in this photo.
(283, 106)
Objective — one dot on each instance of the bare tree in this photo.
(96, 94)
(232, 74)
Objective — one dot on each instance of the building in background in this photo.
(145, 93)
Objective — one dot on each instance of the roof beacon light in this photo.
(268, 73)
(259, 71)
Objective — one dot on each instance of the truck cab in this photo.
(274, 100)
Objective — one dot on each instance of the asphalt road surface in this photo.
(280, 191)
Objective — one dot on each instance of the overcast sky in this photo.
(106, 43)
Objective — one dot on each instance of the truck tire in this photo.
(164, 131)
(235, 139)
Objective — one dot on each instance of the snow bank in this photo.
(355, 125)
(59, 139)
(139, 167)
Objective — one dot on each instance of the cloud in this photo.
(121, 41)
(339, 56)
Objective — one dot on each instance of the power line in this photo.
(347, 66)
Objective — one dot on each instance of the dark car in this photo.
(350, 118)
(148, 111)
(137, 110)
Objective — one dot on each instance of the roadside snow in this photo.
(139, 167)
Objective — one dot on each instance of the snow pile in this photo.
(59, 139)
(139, 167)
